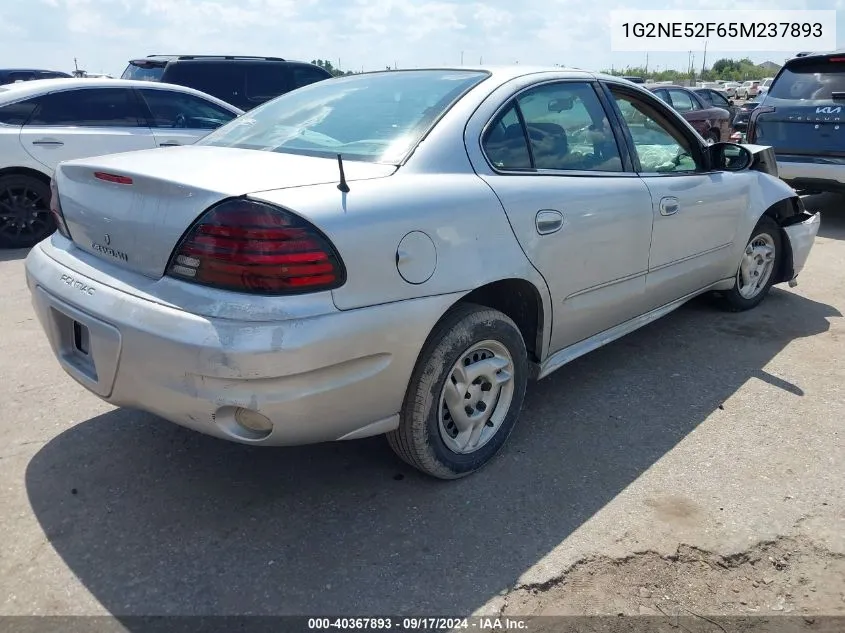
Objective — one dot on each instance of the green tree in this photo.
(327, 65)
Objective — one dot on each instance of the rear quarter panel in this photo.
(472, 238)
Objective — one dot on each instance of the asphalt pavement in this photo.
(705, 429)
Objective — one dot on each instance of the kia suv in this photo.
(244, 82)
(802, 116)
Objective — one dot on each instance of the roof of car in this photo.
(26, 89)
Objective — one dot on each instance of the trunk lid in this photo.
(136, 225)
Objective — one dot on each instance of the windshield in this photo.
(816, 80)
(143, 73)
(378, 117)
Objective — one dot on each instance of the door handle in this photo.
(48, 142)
(169, 144)
(669, 206)
(548, 221)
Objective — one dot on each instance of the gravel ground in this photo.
(694, 465)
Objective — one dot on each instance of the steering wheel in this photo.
(180, 121)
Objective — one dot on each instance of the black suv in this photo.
(802, 117)
(245, 82)
(13, 75)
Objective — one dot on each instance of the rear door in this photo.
(178, 118)
(85, 122)
(581, 216)
(803, 114)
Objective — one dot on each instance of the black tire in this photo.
(25, 217)
(418, 440)
(732, 300)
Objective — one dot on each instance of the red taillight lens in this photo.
(249, 246)
(56, 210)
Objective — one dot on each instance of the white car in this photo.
(764, 87)
(47, 121)
(730, 88)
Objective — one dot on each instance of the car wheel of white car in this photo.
(25, 217)
(758, 267)
(465, 394)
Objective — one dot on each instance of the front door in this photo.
(696, 213)
(582, 219)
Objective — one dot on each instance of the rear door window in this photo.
(811, 81)
(89, 107)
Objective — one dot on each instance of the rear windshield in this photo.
(812, 81)
(143, 73)
(377, 117)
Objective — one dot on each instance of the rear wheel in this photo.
(757, 269)
(25, 217)
(465, 394)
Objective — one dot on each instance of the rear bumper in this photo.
(801, 237)
(340, 375)
(802, 174)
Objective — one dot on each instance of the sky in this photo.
(354, 34)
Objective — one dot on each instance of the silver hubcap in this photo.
(476, 397)
(756, 266)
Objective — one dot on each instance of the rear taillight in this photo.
(253, 247)
(56, 210)
(752, 133)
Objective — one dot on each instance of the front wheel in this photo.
(465, 394)
(757, 269)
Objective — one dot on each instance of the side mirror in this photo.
(729, 156)
(559, 105)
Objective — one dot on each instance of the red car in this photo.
(711, 122)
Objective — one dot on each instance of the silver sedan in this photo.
(400, 253)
